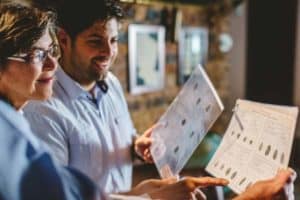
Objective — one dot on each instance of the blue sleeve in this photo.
(27, 173)
(43, 180)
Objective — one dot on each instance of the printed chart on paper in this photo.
(185, 123)
(257, 142)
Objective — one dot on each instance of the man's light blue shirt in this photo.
(92, 134)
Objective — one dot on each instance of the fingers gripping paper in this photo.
(256, 144)
(183, 126)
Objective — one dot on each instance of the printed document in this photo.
(257, 142)
(185, 123)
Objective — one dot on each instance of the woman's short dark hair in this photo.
(20, 27)
(74, 16)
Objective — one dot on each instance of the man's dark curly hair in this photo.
(74, 16)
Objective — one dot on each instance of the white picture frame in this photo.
(146, 52)
(192, 50)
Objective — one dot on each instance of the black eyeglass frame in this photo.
(37, 55)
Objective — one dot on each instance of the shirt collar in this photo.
(74, 89)
(102, 85)
(71, 87)
(21, 112)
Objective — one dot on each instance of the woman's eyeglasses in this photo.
(37, 55)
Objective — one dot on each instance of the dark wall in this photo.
(271, 50)
(147, 108)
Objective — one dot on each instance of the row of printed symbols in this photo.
(232, 174)
(274, 153)
(241, 137)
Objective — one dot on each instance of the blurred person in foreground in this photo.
(28, 60)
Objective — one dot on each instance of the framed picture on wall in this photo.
(192, 50)
(146, 51)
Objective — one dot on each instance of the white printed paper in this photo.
(185, 123)
(257, 142)
(128, 197)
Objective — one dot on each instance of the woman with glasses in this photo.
(28, 60)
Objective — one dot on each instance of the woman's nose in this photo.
(50, 63)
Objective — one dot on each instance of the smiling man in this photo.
(87, 124)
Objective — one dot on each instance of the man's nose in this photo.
(106, 49)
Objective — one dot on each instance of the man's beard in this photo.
(103, 75)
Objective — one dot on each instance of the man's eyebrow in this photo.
(95, 35)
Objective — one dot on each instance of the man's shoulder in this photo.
(52, 112)
(113, 82)
(52, 108)
(50, 104)
(112, 79)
